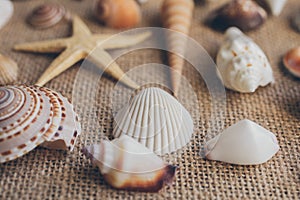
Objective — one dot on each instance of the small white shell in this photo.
(242, 65)
(244, 143)
(6, 11)
(127, 164)
(276, 6)
(155, 119)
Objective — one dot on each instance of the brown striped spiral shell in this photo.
(47, 15)
(30, 116)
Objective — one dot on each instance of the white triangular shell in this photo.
(127, 164)
(32, 115)
(244, 143)
(155, 119)
(6, 11)
(242, 65)
(276, 6)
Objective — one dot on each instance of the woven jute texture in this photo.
(48, 174)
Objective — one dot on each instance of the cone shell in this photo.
(177, 16)
(118, 13)
(30, 116)
(244, 143)
(155, 119)
(242, 65)
(122, 164)
(291, 61)
(8, 70)
(47, 15)
(244, 14)
(6, 12)
(276, 6)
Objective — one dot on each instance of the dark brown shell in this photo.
(244, 14)
(296, 21)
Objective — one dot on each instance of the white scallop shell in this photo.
(6, 11)
(244, 143)
(127, 164)
(276, 6)
(242, 65)
(155, 119)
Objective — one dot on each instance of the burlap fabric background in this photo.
(45, 174)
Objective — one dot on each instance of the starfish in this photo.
(83, 44)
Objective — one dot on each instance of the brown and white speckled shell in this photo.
(47, 15)
(291, 61)
(30, 116)
(8, 70)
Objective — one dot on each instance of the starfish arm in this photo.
(104, 61)
(120, 41)
(50, 46)
(79, 27)
(64, 61)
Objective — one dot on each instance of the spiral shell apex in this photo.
(8, 70)
(47, 15)
(30, 116)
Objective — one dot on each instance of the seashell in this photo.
(244, 14)
(142, 1)
(6, 12)
(242, 65)
(127, 164)
(177, 16)
(32, 115)
(244, 143)
(296, 21)
(47, 15)
(118, 13)
(276, 6)
(155, 119)
(8, 70)
(291, 61)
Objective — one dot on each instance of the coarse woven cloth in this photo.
(48, 174)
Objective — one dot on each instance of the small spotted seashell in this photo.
(30, 116)
(8, 70)
(47, 15)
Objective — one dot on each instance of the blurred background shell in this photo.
(47, 15)
(8, 70)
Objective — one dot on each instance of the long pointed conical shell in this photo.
(242, 65)
(8, 70)
(127, 164)
(177, 16)
(244, 143)
(6, 11)
(32, 115)
(155, 119)
(276, 6)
